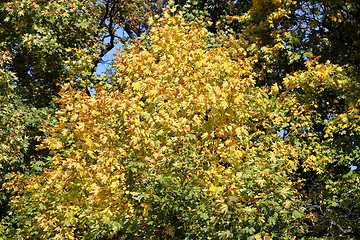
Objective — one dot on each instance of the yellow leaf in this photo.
(57, 145)
(224, 104)
(74, 118)
(89, 142)
(136, 85)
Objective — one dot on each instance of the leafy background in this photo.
(216, 119)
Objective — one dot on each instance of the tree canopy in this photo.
(220, 120)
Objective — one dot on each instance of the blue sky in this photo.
(109, 57)
(106, 60)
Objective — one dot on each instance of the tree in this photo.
(186, 145)
(283, 34)
(45, 44)
(244, 128)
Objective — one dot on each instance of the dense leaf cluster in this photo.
(221, 120)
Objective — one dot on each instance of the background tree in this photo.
(44, 44)
(280, 35)
(307, 29)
